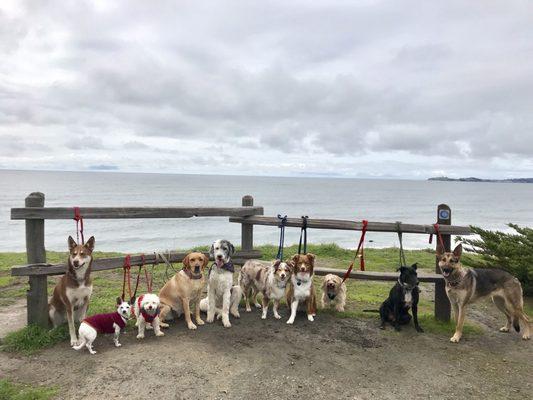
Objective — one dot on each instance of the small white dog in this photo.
(222, 297)
(147, 309)
(103, 323)
(333, 292)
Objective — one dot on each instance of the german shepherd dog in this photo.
(466, 285)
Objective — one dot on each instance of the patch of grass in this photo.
(15, 391)
(32, 338)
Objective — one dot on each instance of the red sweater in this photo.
(103, 323)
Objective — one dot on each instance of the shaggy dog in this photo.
(222, 297)
(147, 308)
(333, 292)
(71, 295)
(466, 285)
(183, 288)
(269, 279)
(104, 323)
(301, 289)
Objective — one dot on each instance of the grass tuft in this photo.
(14, 391)
(32, 338)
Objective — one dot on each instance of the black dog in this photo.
(402, 296)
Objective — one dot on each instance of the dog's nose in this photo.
(282, 276)
(197, 269)
(76, 263)
(149, 307)
(219, 257)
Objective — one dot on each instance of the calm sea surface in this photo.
(489, 205)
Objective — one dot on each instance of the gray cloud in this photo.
(363, 89)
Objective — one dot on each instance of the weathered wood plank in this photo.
(37, 294)
(442, 303)
(376, 276)
(247, 230)
(353, 225)
(41, 213)
(103, 264)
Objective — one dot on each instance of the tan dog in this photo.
(466, 285)
(184, 288)
(70, 299)
(333, 292)
(301, 288)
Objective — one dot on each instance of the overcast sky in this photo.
(362, 88)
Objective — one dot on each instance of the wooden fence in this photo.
(247, 215)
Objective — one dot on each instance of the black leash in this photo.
(283, 222)
(303, 233)
(402, 253)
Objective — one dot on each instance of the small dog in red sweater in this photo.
(103, 323)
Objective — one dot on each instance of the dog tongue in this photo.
(220, 263)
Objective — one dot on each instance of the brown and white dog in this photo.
(184, 288)
(268, 278)
(333, 292)
(466, 285)
(301, 289)
(71, 295)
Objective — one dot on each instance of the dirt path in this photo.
(14, 317)
(331, 358)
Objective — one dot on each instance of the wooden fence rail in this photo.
(34, 213)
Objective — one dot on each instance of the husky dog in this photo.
(466, 285)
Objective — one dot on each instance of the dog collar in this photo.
(190, 275)
(227, 266)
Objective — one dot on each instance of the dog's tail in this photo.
(373, 311)
(80, 346)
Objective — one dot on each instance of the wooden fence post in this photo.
(247, 230)
(442, 304)
(37, 295)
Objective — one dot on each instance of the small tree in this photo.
(512, 252)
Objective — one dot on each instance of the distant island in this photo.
(473, 179)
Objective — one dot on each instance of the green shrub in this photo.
(512, 252)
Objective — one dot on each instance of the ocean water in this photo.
(489, 205)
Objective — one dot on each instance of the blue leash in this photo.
(283, 222)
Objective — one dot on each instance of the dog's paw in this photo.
(526, 337)
(310, 318)
(236, 314)
(160, 333)
(277, 316)
(382, 327)
(248, 309)
(117, 344)
(339, 309)
(140, 336)
(210, 319)
(455, 338)
(200, 322)
(163, 325)
(263, 317)
(257, 305)
(191, 326)
(149, 327)
(92, 351)
(290, 321)
(504, 329)
(227, 324)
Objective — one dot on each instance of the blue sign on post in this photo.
(444, 214)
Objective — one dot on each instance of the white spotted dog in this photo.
(269, 279)
(222, 297)
(147, 308)
(333, 292)
(301, 289)
(71, 295)
(104, 323)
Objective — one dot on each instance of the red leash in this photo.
(360, 251)
(437, 231)
(127, 276)
(148, 280)
(79, 225)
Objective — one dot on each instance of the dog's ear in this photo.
(312, 258)
(119, 301)
(458, 251)
(206, 260)
(90, 243)
(71, 243)
(276, 264)
(414, 266)
(295, 259)
(231, 249)
(290, 265)
(440, 250)
(186, 261)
